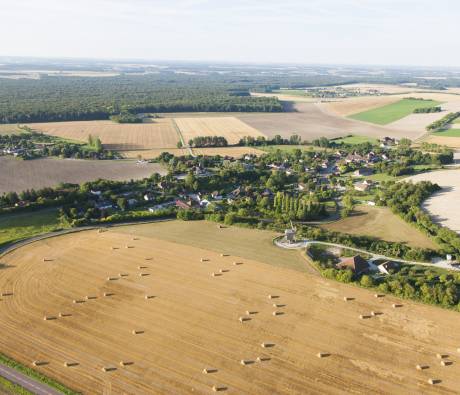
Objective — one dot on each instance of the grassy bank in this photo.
(7, 361)
(14, 227)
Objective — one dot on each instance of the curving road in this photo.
(305, 243)
(26, 382)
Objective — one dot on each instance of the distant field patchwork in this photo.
(121, 137)
(393, 112)
(231, 128)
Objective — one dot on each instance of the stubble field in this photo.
(229, 127)
(190, 322)
(114, 136)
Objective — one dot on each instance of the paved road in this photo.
(304, 243)
(21, 243)
(26, 382)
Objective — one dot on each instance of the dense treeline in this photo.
(126, 117)
(259, 141)
(371, 244)
(443, 122)
(405, 199)
(208, 141)
(298, 207)
(409, 282)
(78, 98)
(404, 158)
(427, 110)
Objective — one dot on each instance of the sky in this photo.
(383, 32)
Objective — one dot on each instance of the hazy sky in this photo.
(400, 32)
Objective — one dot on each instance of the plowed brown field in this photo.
(192, 323)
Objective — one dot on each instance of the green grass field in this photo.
(448, 133)
(353, 140)
(393, 112)
(14, 227)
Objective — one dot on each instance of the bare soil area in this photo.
(314, 120)
(444, 205)
(18, 175)
(190, 321)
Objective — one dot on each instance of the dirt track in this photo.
(192, 323)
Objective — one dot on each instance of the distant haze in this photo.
(398, 32)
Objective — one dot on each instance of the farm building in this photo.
(356, 263)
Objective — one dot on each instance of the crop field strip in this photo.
(231, 128)
(393, 112)
(159, 133)
(165, 342)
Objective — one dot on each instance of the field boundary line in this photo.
(22, 243)
(179, 133)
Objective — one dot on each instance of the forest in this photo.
(79, 98)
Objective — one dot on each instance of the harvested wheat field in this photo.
(121, 137)
(380, 222)
(9, 129)
(179, 329)
(453, 142)
(229, 127)
(18, 175)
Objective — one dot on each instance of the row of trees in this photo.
(443, 122)
(208, 141)
(405, 199)
(250, 141)
(427, 110)
(300, 208)
(126, 117)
